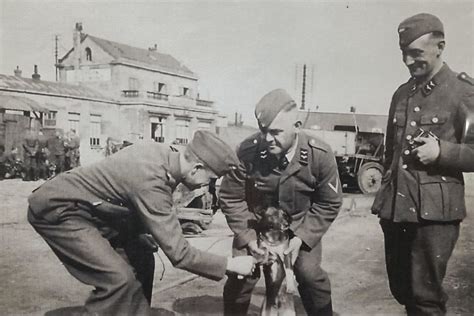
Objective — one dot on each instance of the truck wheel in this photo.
(369, 177)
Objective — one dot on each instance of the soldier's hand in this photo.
(241, 265)
(294, 248)
(428, 152)
(256, 251)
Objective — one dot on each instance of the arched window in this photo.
(88, 54)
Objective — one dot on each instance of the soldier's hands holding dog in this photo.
(428, 152)
(294, 248)
(257, 252)
(241, 265)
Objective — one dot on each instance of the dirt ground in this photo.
(35, 283)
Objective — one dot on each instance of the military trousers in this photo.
(416, 256)
(122, 277)
(313, 285)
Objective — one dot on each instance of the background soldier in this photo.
(57, 151)
(287, 168)
(81, 216)
(71, 145)
(421, 200)
(3, 162)
(42, 156)
(30, 160)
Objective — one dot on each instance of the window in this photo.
(73, 121)
(182, 131)
(159, 87)
(95, 132)
(49, 119)
(158, 129)
(204, 125)
(133, 83)
(185, 91)
(88, 54)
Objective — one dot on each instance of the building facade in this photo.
(107, 90)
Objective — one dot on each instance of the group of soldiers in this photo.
(43, 156)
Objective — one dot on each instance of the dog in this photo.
(280, 283)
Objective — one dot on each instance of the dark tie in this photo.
(283, 163)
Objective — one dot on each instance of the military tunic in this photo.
(411, 191)
(77, 213)
(420, 206)
(308, 189)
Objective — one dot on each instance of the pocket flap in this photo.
(434, 119)
(425, 178)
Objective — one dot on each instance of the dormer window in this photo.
(88, 54)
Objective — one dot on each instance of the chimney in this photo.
(76, 40)
(36, 75)
(17, 71)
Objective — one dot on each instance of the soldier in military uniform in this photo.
(58, 151)
(42, 156)
(30, 160)
(71, 145)
(81, 213)
(284, 167)
(421, 200)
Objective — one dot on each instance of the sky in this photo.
(243, 49)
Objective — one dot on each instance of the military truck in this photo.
(359, 157)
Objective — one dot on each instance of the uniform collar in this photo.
(429, 86)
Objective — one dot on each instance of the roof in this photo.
(42, 86)
(327, 121)
(20, 103)
(145, 57)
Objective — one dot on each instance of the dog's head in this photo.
(274, 226)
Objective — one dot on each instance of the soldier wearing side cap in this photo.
(285, 167)
(421, 200)
(94, 218)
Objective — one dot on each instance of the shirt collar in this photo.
(291, 152)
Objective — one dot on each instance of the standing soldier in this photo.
(291, 169)
(30, 160)
(42, 156)
(421, 200)
(57, 150)
(72, 155)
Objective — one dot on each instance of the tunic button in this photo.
(443, 178)
(412, 209)
(434, 120)
(404, 166)
(407, 152)
(426, 213)
(408, 137)
(413, 123)
(255, 185)
(394, 120)
(416, 109)
(255, 141)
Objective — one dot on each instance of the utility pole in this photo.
(303, 89)
(56, 40)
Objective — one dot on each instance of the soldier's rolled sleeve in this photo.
(232, 199)
(455, 155)
(326, 202)
(154, 204)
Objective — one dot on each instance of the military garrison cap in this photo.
(270, 105)
(213, 152)
(416, 26)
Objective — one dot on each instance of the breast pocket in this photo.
(433, 122)
(399, 121)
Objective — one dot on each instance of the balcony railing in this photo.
(130, 93)
(157, 95)
(205, 103)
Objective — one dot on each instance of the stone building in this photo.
(107, 90)
(158, 94)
